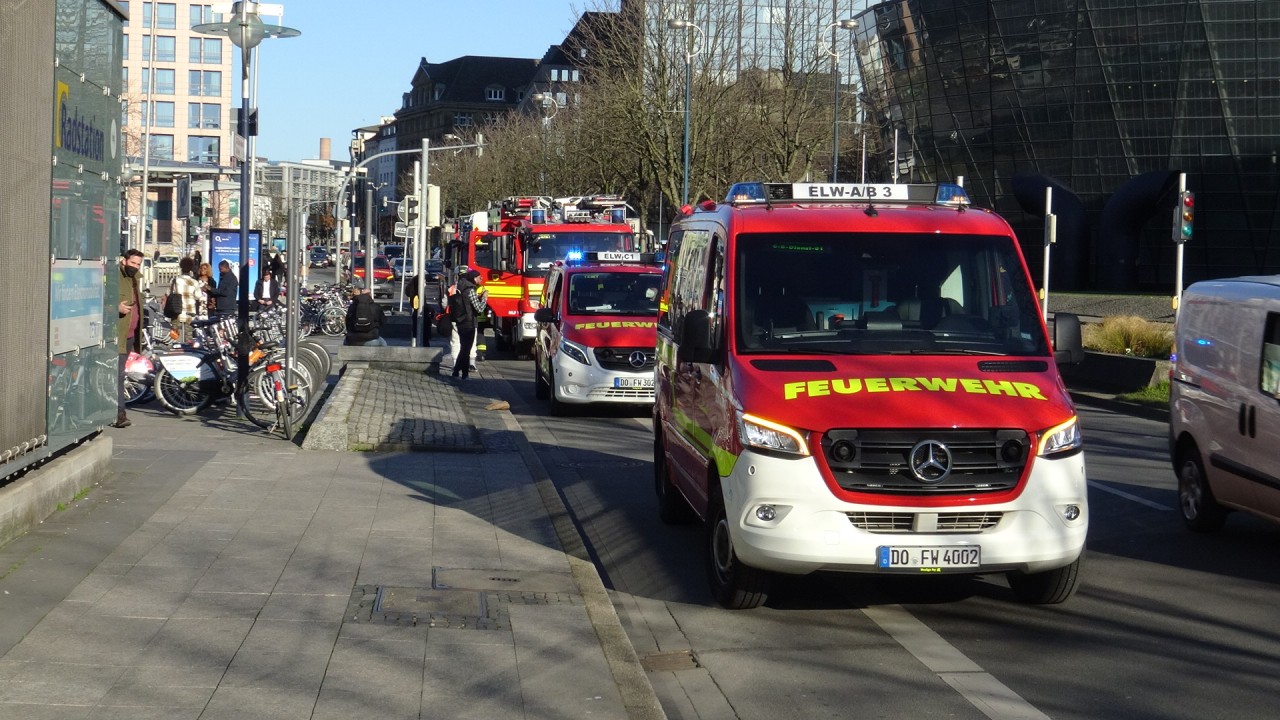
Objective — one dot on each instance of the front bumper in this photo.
(576, 383)
(814, 530)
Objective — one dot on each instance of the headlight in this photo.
(764, 435)
(1061, 438)
(575, 351)
(535, 303)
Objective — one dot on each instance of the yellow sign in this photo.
(851, 386)
(614, 324)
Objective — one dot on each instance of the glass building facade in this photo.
(1105, 101)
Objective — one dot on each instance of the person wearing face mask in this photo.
(129, 329)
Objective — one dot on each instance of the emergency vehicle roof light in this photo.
(750, 193)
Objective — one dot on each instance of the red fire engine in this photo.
(517, 241)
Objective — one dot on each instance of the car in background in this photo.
(381, 267)
(320, 258)
(402, 267)
(168, 262)
(393, 251)
(433, 270)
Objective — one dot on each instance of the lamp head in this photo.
(848, 24)
(677, 24)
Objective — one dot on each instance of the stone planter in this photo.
(1104, 372)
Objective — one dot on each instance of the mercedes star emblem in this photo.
(930, 461)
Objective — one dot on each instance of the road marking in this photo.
(992, 697)
(1128, 496)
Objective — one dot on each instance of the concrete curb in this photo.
(330, 431)
(629, 674)
(32, 498)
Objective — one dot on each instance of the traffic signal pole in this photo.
(1182, 218)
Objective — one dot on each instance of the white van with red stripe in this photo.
(858, 378)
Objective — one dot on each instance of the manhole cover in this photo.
(669, 662)
(507, 581)
(432, 601)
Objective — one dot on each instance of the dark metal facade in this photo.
(59, 224)
(1107, 100)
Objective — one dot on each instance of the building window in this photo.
(462, 120)
(574, 76)
(207, 83)
(204, 116)
(201, 14)
(165, 82)
(124, 6)
(202, 149)
(163, 116)
(166, 48)
(494, 93)
(438, 93)
(205, 50)
(162, 147)
(167, 16)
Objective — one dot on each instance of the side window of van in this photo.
(668, 278)
(549, 292)
(716, 299)
(1270, 375)
(689, 289)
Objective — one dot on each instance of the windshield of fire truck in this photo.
(547, 248)
(614, 293)
(864, 293)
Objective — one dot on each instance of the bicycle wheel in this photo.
(257, 400)
(333, 322)
(180, 398)
(292, 404)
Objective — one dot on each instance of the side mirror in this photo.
(545, 315)
(695, 338)
(1068, 347)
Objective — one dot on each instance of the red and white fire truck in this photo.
(515, 243)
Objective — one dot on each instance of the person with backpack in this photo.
(364, 318)
(466, 306)
(186, 308)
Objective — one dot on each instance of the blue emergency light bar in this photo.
(888, 193)
(611, 257)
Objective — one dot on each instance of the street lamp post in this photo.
(545, 100)
(245, 30)
(690, 44)
(835, 84)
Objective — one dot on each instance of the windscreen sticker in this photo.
(614, 324)
(850, 386)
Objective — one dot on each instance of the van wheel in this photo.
(1200, 511)
(541, 387)
(672, 507)
(735, 586)
(558, 408)
(1049, 587)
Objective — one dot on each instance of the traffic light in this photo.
(197, 206)
(410, 206)
(1186, 211)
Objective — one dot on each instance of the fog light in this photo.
(767, 513)
(1071, 512)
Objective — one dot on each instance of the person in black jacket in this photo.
(364, 318)
(466, 306)
(227, 290)
(268, 283)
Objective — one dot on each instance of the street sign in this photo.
(402, 230)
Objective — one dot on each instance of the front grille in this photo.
(925, 522)
(626, 394)
(619, 358)
(879, 461)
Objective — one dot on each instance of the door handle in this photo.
(1253, 421)
(1240, 420)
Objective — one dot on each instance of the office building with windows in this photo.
(1108, 104)
(178, 116)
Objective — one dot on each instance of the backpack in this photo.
(364, 321)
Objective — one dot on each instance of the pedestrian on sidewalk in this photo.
(364, 318)
(129, 330)
(466, 305)
(227, 290)
(188, 288)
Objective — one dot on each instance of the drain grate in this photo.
(432, 607)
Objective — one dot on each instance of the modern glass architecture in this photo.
(1106, 101)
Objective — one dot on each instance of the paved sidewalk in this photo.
(220, 573)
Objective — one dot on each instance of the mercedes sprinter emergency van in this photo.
(858, 378)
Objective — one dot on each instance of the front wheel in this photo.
(672, 508)
(333, 322)
(1049, 587)
(541, 387)
(1200, 510)
(735, 586)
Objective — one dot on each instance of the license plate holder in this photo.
(645, 383)
(929, 558)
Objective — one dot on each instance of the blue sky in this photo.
(354, 60)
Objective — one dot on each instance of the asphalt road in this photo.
(1167, 624)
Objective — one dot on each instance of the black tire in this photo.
(735, 586)
(1049, 587)
(1200, 510)
(292, 410)
(136, 391)
(673, 509)
(541, 387)
(558, 408)
(333, 322)
(178, 397)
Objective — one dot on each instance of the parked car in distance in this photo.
(320, 258)
(401, 267)
(393, 251)
(167, 262)
(433, 270)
